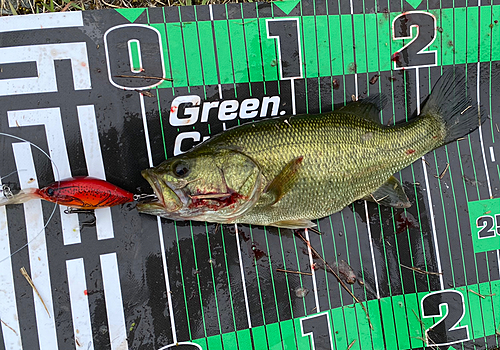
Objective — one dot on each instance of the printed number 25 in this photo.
(412, 54)
(445, 331)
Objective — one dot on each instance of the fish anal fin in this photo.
(390, 194)
(284, 181)
(294, 224)
(368, 108)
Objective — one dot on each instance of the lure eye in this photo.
(50, 192)
(181, 169)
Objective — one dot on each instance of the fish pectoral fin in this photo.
(294, 224)
(390, 194)
(368, 108)
(284, 181)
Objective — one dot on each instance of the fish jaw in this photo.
(169, 200)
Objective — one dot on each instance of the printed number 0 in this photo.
(445, 331)
(412, 55)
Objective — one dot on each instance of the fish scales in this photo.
(339, 166)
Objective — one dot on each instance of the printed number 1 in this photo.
(286, 31)
(445, 331)
(318, 327)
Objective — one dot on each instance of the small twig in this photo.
(423, 272)
(338, 278)
(315, 231)
(145, 93)
(297, 272)
(142, 77)
(465, 110)
(30, 281)
(390, 120)
(416, 183)
(461, 138)
(426, 162)
(351, 345)
(480, 295)
(498, 130)
(440, 176)
(474, 292)
(378, 200)
(9, 327)
(419, 320)
(66, 7)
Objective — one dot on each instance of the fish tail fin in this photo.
(450, 103)
(21, 197)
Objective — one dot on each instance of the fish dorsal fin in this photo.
(284, 181)
(368, 108)
(294, 224)
(390, 194)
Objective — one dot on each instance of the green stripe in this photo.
(310, 56)
(336, 45)
(347, 44)
(269, 53)
(229, 341)
(244, 339)
(472, 34)
(460, 42)
(207, 50)
(223, 52)
(359, 43)
(253, 48)
(372, 43)
(238, 51)
(176, 49)
(485, 35)
(190, 33)
(323, 46)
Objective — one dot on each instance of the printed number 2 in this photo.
(318, 327)
(445, 331)
(412, 54)
(486, 223)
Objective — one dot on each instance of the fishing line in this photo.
(55, 204)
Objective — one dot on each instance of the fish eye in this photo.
(181, 169)
(50, 192)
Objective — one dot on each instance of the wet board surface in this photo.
(70, 84)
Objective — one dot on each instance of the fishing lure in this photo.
(78, 192)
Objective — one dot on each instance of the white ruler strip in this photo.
(37, 249)
(95, 165)
(79, 304)
(114, 303)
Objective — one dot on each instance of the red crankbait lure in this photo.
(78, 192)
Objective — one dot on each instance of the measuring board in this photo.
(71, 89)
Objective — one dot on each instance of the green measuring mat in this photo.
(109, 93)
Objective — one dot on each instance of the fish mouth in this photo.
(168, 199)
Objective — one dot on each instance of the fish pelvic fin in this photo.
(22, 197)
(450, 104)
(390, 194)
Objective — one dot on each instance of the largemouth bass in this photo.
(290, 170)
